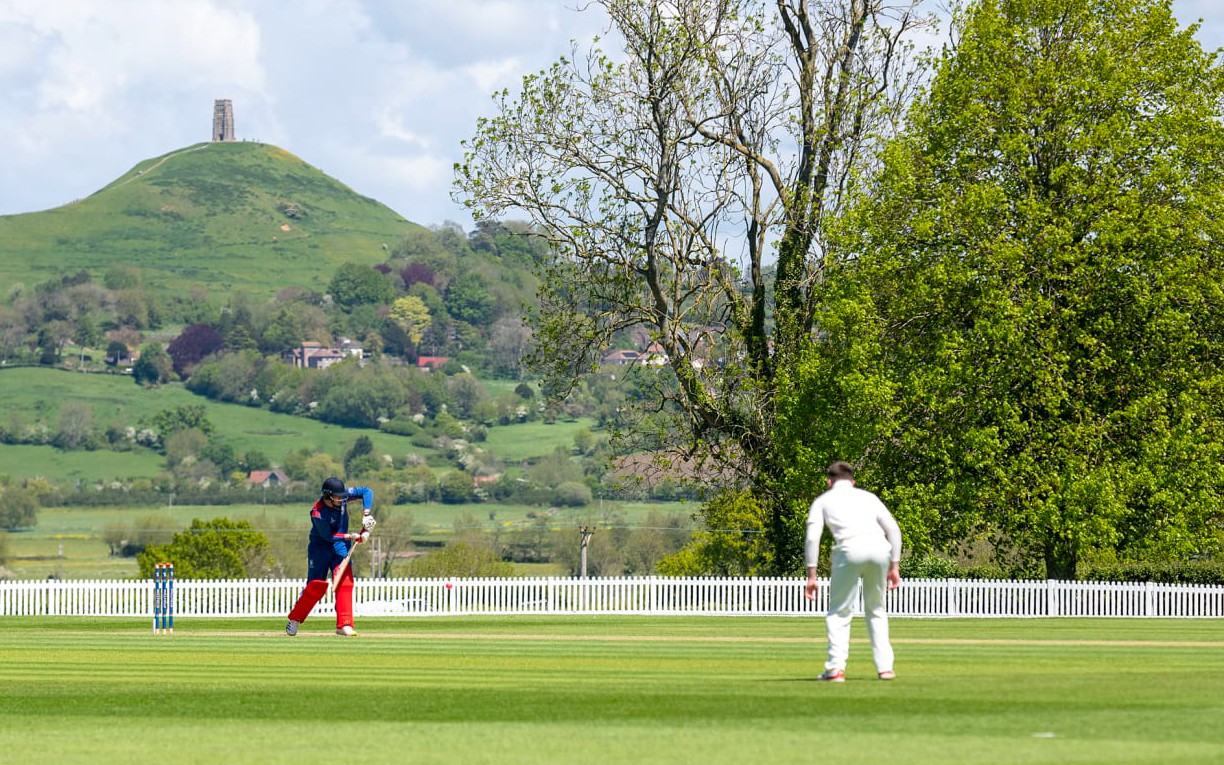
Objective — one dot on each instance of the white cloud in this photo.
(377, 93)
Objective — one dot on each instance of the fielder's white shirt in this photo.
(856, 518)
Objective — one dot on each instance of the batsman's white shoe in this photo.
(833, 676)
(291, 627)
(888, 674)
(346, 631)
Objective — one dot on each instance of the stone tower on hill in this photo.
(223, 120)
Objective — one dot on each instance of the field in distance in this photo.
(70, 542)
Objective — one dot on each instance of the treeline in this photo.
(443, 293)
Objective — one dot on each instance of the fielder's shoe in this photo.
(833, 676)
(888, 674)
(346, 631)
(291, 627)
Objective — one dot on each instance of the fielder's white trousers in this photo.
(849, 566)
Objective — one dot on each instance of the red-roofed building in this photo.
(267, 478)
(431, 362)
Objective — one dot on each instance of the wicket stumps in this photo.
(163, 598)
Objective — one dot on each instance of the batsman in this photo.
(328, 554)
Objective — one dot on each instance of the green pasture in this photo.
(631, 690)
(66, 468)
(533, 439)
(70, 542)
(31, 394)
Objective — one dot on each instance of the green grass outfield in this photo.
(609, 690)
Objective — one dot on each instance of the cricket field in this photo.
(544, 690)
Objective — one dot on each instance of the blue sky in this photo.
(377, 94)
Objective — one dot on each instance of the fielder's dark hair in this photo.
(840, 471)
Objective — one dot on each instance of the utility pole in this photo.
(586, 541)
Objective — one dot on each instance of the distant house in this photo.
(654, 354)
(127, 359)
(620, 358)
(267, 478)
(310, 355)
(431, 362)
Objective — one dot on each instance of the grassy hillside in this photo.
(33, 394)
(227, 216)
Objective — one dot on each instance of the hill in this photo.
(228, 216)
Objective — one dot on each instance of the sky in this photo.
(376, 93)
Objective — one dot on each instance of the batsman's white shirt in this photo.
(858, 521)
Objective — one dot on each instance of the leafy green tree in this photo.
(359, 397)
(554, 469)
(466, 393)
(122, 276)
(734, 542)
(355, 285)
(1037, 292)
(468, 299)
(255, 460)
(185, 417)
(118, 351)
(213, 549)
(467, 556)
(412, 315)
(318, 467)
(720, 120)
(86, 334)
(154, 366)
(572, 494)
(293, 323)
(18, 507)
(232, 377)
(360, 457)
(457, 488)
(75, 427)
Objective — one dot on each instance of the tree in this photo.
(468, 299)
(509, 340)
(360, 457)
(195, 342)
(154, 366)
(18, 507)
(665, 178)
(415, 273)
(1037, 291)
(86, 334)
(471, 555)
(213, 549)
(292, 323)
(411, 315)
(117, 352)
(457, 488)
(355, 285)
(75, 427)
(180, 418)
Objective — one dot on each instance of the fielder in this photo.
(329, 548)
(866, 546)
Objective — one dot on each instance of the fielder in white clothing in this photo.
(866, 546)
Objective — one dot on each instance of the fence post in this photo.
(1149, 598)
(1051, 597)
(953, 597)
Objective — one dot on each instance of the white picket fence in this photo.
(653, 596)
